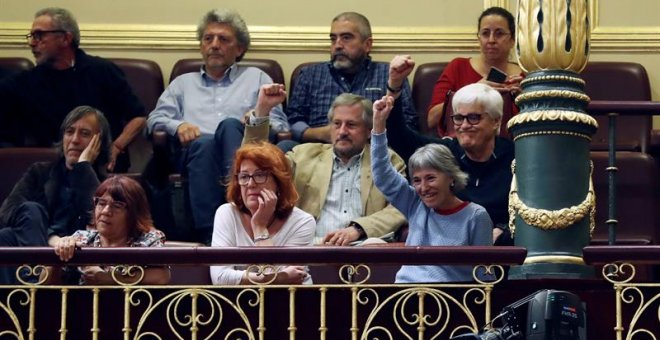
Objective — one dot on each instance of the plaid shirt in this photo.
(317, 86)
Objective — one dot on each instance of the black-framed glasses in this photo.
(39, 34)
(259, 177)
(115, 206)
(498, 34)
(472, 118)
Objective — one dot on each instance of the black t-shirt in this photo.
(35, 102)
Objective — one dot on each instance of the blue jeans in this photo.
(206, 162)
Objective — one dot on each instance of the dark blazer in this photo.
(41, 183)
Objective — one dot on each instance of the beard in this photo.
(347, 62)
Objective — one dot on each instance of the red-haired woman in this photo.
(261, 212)
(121, 219)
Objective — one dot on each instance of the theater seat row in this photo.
(636, 194)
(630, 79)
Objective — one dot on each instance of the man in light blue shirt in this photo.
(204, 112)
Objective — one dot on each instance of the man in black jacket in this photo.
(54, 199)
(35, 101)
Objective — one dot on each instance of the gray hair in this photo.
(438, 157)
(349, 99)
(226, 17)
(483, 95)
(104, 127)
(364, 27)
(63, 20)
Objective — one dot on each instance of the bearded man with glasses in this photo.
(349, 70)
(35, 101)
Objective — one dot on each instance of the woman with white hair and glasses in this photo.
(479, 150)
(436, 216)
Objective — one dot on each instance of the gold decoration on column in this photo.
(553, 42)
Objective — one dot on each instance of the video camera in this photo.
(551, 315)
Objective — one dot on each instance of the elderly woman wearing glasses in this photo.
(480, 152)
(496, 33)
(261, 213)
(436, 216)
(121, 219)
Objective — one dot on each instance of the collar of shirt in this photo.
(229, 77)
(351, 162)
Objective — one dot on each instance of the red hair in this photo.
(129, 191)
(267, 157)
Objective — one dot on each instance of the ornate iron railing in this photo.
(353, 308)
(634, 301)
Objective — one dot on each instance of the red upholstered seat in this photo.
(15, 161)
(619, 81)
(422, 90)
(16, 64)
(146, 79)
(636, 201)
(270, 66)
(296, 73)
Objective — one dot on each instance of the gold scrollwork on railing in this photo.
(182, 308)
(127, 275)
(553, 115)
(621, 275)
(618, 273)
(551, 219)
(268, 271)
(422, 308)
(348, 272)
(32, 275)
(494, 272)
(417, 309)
(7, 309)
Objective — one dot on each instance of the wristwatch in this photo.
(394, 90)
(359, 229)
(261, 237)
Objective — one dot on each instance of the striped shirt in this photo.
(343, 202)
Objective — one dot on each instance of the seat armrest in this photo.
(284, 135)
(159, 138)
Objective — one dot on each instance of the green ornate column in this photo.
(551, 204)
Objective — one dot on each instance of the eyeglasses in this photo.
(258, 177)
(472, 118)
(497, 34)
(115, 206)
(38, 34)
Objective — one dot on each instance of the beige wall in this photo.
(295, 31)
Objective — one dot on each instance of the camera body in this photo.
(550, 315)
(557, 315)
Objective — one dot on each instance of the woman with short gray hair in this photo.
(436, 217)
